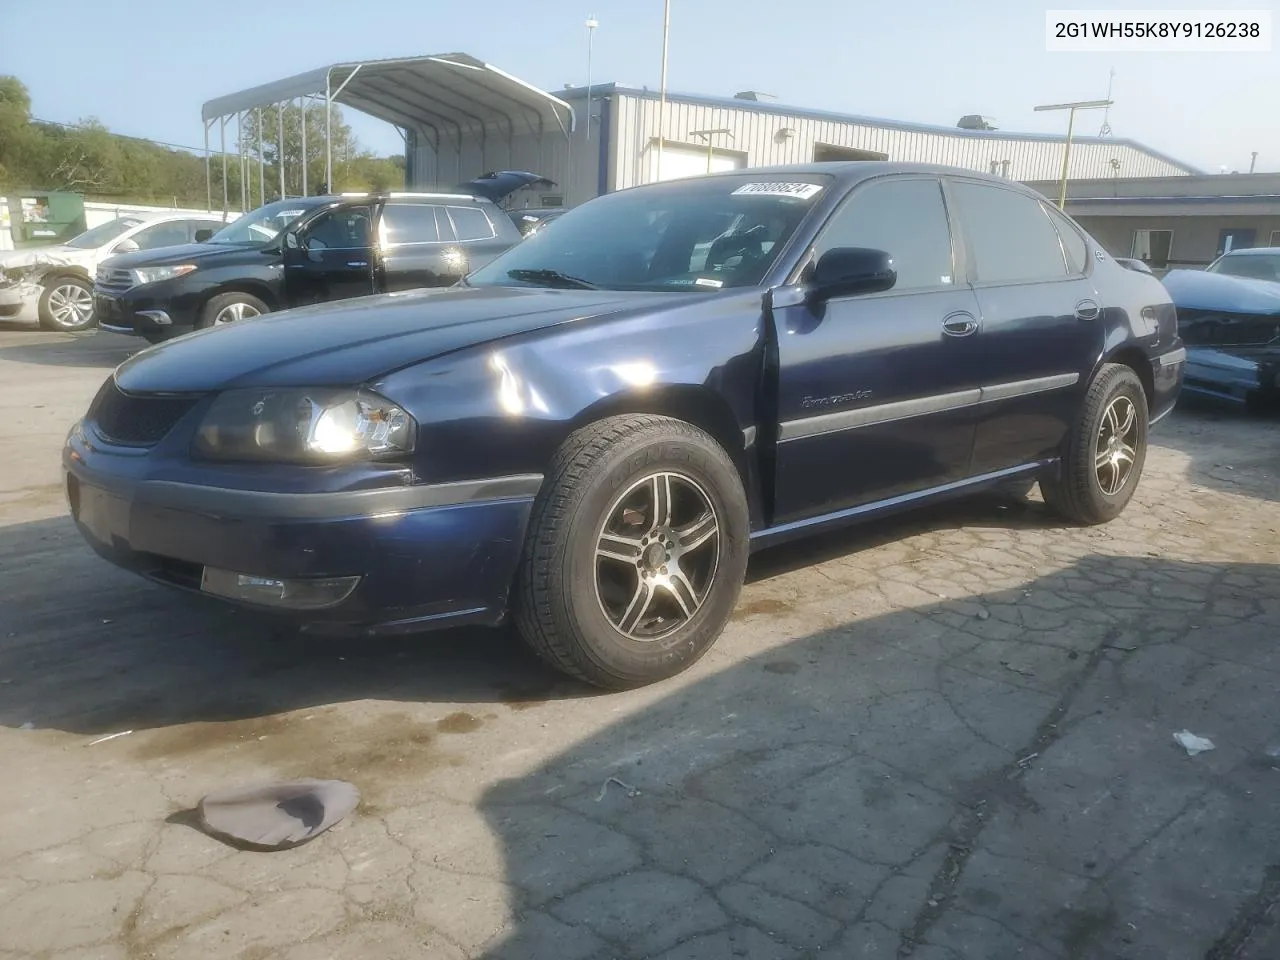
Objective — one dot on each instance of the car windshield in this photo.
(1259, 266)
(103, 233)
(704, 233)
(263, 224)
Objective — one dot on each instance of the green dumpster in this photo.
(39, 218)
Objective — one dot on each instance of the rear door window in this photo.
(404, 223)
(1010, 236)
(470, 223)
(169, 233)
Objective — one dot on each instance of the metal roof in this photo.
(755, 106)
(452, 90)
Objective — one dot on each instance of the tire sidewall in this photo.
(46, 314)
(1123, 383)
(654, 659)
(215, 305)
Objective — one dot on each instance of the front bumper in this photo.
(141, 313)
(16, 298)
(1242, 375)
(425, 555)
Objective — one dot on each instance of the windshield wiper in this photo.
(552, 278)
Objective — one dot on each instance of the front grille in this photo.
(112, 281)
(137, 420)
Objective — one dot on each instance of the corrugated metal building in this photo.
(617, 146)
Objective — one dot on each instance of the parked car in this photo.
(57, 281)
(534, 218)
(302, 251)
(1229, 317)
(592, 439)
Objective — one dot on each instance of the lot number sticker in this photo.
(801, 191)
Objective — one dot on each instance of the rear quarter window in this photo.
(471, 223)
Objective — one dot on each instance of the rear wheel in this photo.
(67, 304)
(1104, 455)
(636, 552)
(229, 307)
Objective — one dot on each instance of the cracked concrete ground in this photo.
(948, 736)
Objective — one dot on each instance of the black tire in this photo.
(66, 304)
(1076, 492)
(560, 605)
(225, 303)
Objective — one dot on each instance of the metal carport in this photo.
(443, 100)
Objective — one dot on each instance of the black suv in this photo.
(301, 251)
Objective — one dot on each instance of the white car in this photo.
(56, 282)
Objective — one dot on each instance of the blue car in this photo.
(590, 434)
(1229, 316)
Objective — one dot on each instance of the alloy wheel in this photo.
(656, 556)
(70, 305)
(1116, 448)
(235, 311)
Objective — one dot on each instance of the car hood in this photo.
(183, 253)
(56, 255)
(1199, 290)
(356, 341)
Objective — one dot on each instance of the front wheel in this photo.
(1105, 452)
(229, 307)
(66, 304)
(636, 552)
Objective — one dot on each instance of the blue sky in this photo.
(144, 67)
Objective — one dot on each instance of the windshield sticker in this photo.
(290, 213)
(708, 282)
(801, 191)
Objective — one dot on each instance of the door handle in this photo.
(960, 324)
(1088, 310)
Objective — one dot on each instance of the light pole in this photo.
(662, 91)
(592, 23)
(1071, 122)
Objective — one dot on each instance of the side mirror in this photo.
(844, 271)
(126, 246)
(203, 235)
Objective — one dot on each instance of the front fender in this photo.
(505, 407)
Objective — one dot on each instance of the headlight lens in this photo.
(143, 275)
(323, 425)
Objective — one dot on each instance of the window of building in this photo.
(1152, 247)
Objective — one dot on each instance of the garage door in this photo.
(688, 162)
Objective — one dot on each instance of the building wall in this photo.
(756, 137)
(572, 162)
(1195, 239)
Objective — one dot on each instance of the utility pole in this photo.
(1071, 121)
(662, 91)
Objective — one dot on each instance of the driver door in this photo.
(876, 391)
(331, 258)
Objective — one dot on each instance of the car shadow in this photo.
(926, 783)
(88, 648)
(1229, 450)
(93, 348)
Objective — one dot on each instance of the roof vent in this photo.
(754, 95)
(974, 121)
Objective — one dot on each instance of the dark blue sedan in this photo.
(592, 433)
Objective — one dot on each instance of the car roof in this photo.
(157, 216)
(1253, 251)
(848, 172)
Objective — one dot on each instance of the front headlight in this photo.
(323, 425)
(143, 275)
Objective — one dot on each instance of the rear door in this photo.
(877, 392)
(331, 258)
(1042, 324)
(413, 249)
